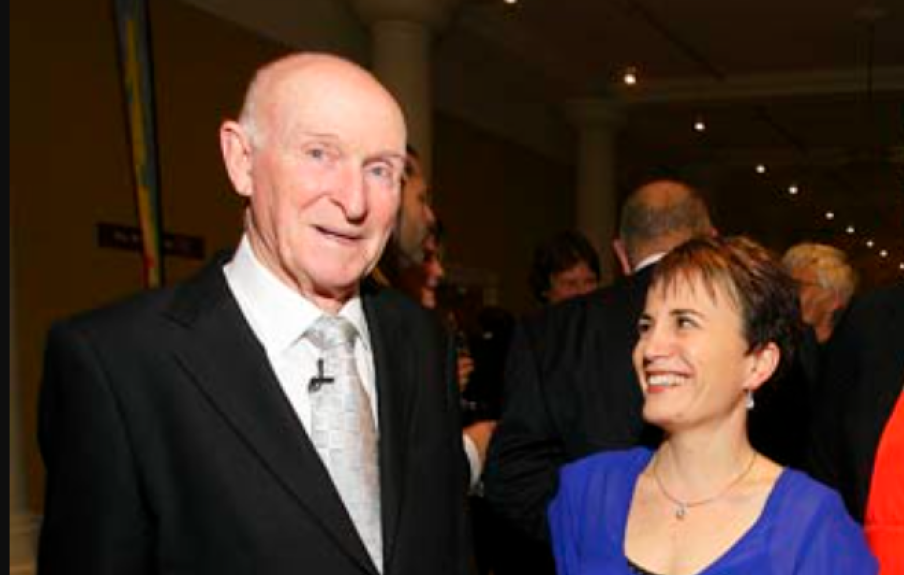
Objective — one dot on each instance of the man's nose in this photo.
(351, 193)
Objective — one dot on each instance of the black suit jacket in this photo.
(861, 382)
(570, 390)
(171, 448)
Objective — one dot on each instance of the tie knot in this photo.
(332, 331)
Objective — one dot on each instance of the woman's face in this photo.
(577, 280)
(691, 356)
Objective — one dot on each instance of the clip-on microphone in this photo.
(318, 380)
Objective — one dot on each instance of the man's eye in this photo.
(383, 172)
(643, 326)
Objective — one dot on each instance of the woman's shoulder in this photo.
(817, 532)
(809, 505)
(804, 491)
(599, 466)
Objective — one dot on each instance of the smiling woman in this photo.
(721, 319)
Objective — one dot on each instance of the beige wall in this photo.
(70, 164)
(497, 201)
(70, 168)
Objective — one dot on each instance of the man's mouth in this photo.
(339, 235)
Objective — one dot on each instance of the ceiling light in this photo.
(792, 189)
(883, 253)
(630, 76)
(850, 229)
(830, 215)
(901, 266)
(760, 169)
(699, 126)
(870, 243)
(510, 2)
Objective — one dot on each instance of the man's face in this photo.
(323, 179)
(416, 216)
(434, 272)
(817, 304)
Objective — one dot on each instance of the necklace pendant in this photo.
(680, 512)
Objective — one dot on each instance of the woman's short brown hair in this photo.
(753, 278)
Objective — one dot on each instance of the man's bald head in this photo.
(659, 216)
(281, 83)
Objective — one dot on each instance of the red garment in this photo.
(884, 522)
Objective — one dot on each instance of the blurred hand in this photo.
(480, 433)
(465, 368)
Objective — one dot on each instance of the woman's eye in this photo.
(685, 322)
(643, 326)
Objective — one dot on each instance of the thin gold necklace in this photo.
(682, 507)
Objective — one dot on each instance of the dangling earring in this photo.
(750, 403)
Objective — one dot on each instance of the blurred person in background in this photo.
(826, 282)
(857, 440)
(564, 266)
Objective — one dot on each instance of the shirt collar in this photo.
(648, 261)
(278, 314)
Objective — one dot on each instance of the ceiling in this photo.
(812, 89)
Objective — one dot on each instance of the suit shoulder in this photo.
(613, 307)
(880, 301)
(404, 310)
(127, 309)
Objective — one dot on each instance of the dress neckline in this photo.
(772, 501)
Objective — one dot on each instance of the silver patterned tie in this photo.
(343, 430)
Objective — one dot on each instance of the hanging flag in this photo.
(135, 64)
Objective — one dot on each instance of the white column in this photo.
(402, 33)
(22, 524)
(597, 122)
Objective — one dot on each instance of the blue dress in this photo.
(804, 528)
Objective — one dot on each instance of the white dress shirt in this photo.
(279, 317)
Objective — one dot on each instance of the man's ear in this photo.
(765, 362)
(235, 146)
(618, 246)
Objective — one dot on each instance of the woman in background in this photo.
(565, 266)
(721, 319)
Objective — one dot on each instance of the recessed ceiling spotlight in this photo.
(761, 168)
(630, 76)
(699, 125)
(830, 215)
(510, 2)
(883, 254)
(792, 189)
(901, 266)
(870, 244)
(850, 229)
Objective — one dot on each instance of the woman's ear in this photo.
(765, 362)
(235, 146)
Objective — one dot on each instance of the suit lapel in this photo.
(396, 393)
(225, 360)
